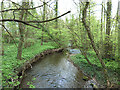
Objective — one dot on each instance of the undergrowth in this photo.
(10, 63)
(112, 67)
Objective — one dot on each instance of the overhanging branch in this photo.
(49, 19)
(26, 22)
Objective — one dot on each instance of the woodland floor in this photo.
(112, 66)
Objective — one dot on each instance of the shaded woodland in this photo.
(27, 29)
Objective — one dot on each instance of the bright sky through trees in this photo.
(66, 5)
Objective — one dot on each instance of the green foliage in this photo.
(112, 66)
(10, 63)
(60, 36)
(118, 83)
(70, 30)
(31, 40)
(30, 85)
(34, 79)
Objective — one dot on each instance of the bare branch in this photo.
(45, 30)
(49, 19)
(21, 8)
(26, 22)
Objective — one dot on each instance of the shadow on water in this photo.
(54, 71)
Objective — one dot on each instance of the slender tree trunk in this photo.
(83, 37)
(116, 38)
(56, 13)
(104, 19)
(108, 42)
(92, 42)
(83, 32)
(101, 38)
(21, 30)
(44, 8)
(1, 32)
(27, 29)
(26, 37)
(119, 30)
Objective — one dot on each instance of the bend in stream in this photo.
(54, 71)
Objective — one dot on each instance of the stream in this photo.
(54, 71)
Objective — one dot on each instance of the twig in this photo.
(14, 15)
(21, 8)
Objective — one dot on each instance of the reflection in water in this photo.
(54, 71)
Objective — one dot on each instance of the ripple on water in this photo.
(54, 71)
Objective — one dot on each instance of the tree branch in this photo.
(89, 33)
(87, 27)
(26, 22)
(45, 30)
(21, 9)
(49, 19)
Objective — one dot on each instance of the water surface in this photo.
(54, 71)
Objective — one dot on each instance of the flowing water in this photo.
(54, 71)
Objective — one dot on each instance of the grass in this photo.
(10, 63)
(112, 66)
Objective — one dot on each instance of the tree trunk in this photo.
(1, 32)
(101, 38)
(26, 37)
(119, 30)
(108, 43)
(92, 42)
(21, 30)
(56, 13)
(44, 8)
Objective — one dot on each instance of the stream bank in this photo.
(53, 71)
(95, 72)
(29, 63)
